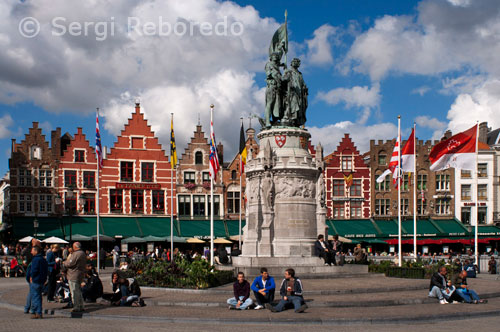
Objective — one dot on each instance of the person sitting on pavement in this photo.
(470, 268)
(241, 290)
(441, 288)
(291, 291)
(15, 268)
(263, 288)
(91, 286)
(459, 280)
(322, 249)
(63, 294)
(115, 295)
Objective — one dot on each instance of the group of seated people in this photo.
(126, 292)
(454, 290)
(264, 287)
(11, 267)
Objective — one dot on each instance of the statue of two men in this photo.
(286, 95)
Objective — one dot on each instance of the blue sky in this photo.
(365, 62)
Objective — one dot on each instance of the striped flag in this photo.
(173, 150)
(243, 150)
(98, 146)
(214, 158)
(393, 166)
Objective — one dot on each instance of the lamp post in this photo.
(35, 226)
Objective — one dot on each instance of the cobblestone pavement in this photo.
(104, 318)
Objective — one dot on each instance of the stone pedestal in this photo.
(282, 218)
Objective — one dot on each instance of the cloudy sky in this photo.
(435, 62)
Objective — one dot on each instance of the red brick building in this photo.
(77, 175)
(193, 180)
(231, 179)
(348, 182)
(136, 177)
(33, 173)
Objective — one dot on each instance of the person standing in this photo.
(492, 266)
(263, 288)
(36, 276)
(53, 264)
(241, 290)
(116, 256)
(102, 258)
(75, 266)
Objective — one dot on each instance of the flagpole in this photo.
(173, 170)
(212, 197)
(415, 190)
(98, 211)
(476, 247)
(400, 252)
(241, 195)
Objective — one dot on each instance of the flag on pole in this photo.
(98, 146)
(214, 158)
(243, 150)
(408, 154)
(393, 166)
(459, 151)
(173, 150)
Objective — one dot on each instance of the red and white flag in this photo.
(408, 154)
(458, 151)
(393, 166)
(214, 158)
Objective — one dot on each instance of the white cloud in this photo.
(319, 48)
(421, 90)
(359, 97)
(331, 135)
(442, 37)
(433, 124)
(482, 104)
(6, 124)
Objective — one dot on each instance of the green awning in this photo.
(356, 228)
(425, 228)
(450, 227)
(124, 226)
(23, 226)
(86, 226)
(156, 226)
(201, 228)
(387, 227)
(487, 231)
(373, 241)
(233, 225)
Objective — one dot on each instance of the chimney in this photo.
(447, 135)
(55, 143)
(13, 148)
(483, 132)
(137, 107)
(220, 152)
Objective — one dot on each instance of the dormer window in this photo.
(79, 156)
(198, 158)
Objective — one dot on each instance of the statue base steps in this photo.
(305, 267)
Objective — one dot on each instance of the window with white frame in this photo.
(45, 203)
(346, 163)
(442, 206)
(24, 177)
(356, 209)
(25, 203)
(442, 182)
(45, 178)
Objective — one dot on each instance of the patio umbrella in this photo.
(221, 240)
(341, 239)
(55, 240)
(104, 238)
(80, 237)
(134, 239)
(194, 240)
(26, 239)
(235, 238)
(177, 239)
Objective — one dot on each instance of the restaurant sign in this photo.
(138, 186)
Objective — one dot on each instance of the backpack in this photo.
(134, 287)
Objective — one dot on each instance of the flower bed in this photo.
(411, 270)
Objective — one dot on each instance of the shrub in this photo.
(179, 274)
